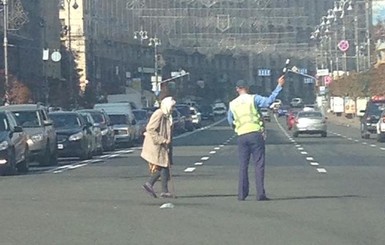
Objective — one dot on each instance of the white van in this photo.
(122, 119)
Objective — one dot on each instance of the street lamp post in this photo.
(5, 45)
(155, 42)
(142, 35)
(75, 6)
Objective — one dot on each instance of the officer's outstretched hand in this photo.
(281, 80)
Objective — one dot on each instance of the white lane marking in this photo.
(356, 141)
(205, 158)
(300, 149)
(364, 143)
(297, 146)
(124, 151)
(382, 148)
(373, 145)
(303, 152)
(350, 139)
(104, 156)
(113, 155)
(309, 158)
(217, 148)
(321, 170)
(212, 152)
(221, 145)
(314, 163)
(96, 160)
(78, 166)
(198, 163)
(189, 170)
(57, 171)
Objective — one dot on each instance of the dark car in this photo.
(178, 122)
(13, 145)
(372, 114)
(141, 117)
(207, 112)
(74, 136)
(104, 121)
(185, 111)
(97, 146)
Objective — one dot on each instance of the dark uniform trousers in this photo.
(251, 144)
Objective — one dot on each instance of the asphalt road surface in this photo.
(323, 190)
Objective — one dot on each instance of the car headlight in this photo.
(76, 136)
(37, 137)
(4, 145)
(104, 131)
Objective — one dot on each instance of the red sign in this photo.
(327, 80)
(343, 45)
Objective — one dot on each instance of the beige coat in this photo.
(158, 130)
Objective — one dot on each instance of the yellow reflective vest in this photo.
(246, 117)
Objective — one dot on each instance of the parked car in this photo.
(381, 128)
(40, 131)
(178, 122)
(219, 110)
(310, 122)
(141, 117)
(283, 110)
(265, 113)
(13, 145)
(104, 121)
(185, 111)
(97, 146)
(374, 108)
(296, 102)
(124, 128)
(196, 117)
(207, 112)
(74, 136)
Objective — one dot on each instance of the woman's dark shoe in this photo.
(147, 187)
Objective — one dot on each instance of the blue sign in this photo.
(308, 80)
(302, 71)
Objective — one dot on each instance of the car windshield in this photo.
(184, 110)
(119, 119)
(98, 118)
(65, 120)
(140, 115)
(376, 108)
(28, 119)
(3, 123)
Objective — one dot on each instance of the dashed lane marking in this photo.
(189, 170)
(303, 152)
(217, 148)
(212, 152)
(314, 163)
(310, 158)
(321, 170)
(205, 158)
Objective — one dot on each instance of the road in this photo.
(323, 190)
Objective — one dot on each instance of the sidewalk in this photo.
(343, 121)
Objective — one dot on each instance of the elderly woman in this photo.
(157, 147)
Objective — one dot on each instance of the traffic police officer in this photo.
(243, 115)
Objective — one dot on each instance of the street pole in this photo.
(156, 42)
(69, 51)
(5, 44)
(143, 36)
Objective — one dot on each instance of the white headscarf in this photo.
(166, 106)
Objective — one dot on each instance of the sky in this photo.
(378, 9)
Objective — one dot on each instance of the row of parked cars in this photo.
(31, 132)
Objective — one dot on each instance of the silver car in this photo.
(40, 131)
(310, 122)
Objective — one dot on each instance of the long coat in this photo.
(158, 130)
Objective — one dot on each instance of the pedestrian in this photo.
(157, 147)
(243, 115)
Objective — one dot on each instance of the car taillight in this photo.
(368, 118)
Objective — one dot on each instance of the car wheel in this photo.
(23, 166)
(11, 168)
(295, 134)
(380, 138)
(324, 134)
